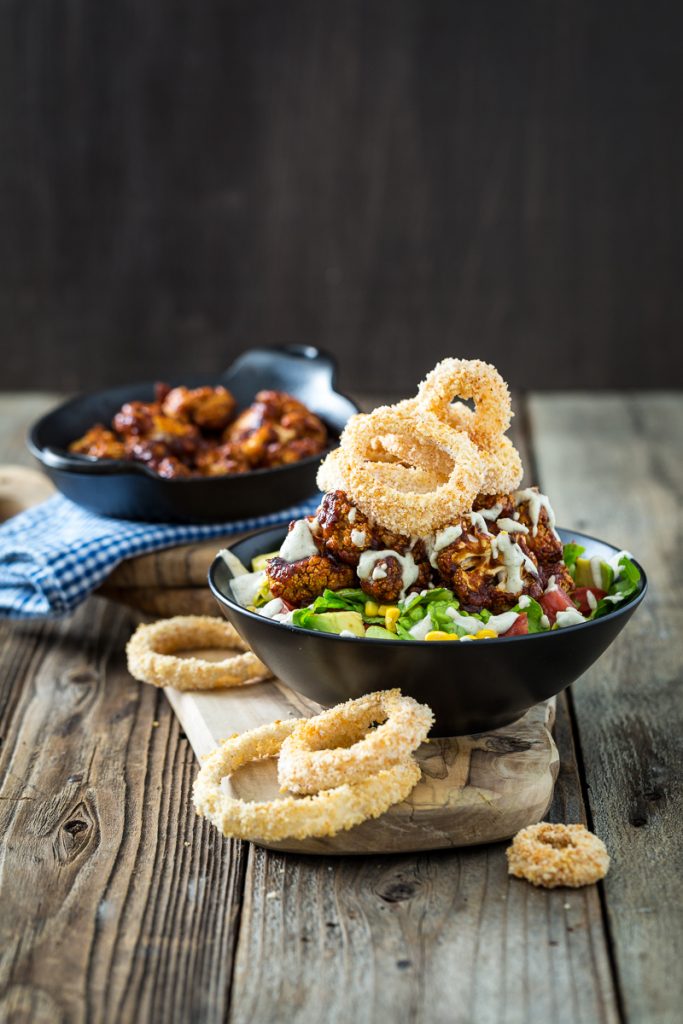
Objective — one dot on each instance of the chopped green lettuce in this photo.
(624, 586)
(571, 553)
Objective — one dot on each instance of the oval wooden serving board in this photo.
(474, 789)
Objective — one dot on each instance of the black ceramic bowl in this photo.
(130, 490)
(470, 687)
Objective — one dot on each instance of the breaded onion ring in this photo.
(551, 855)
(325, 814)
(151, 649)
(335, 747)
(467, 378)
(390, 496)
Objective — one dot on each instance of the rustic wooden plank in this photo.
(118, 903)
(612, 466)
(446, 936)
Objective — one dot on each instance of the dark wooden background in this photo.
(393, 180)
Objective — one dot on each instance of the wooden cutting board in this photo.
(474, 789)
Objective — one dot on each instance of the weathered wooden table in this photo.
(118, 903)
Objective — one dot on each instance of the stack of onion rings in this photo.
(416, 466)
(151, 654)
(344, 799)
(335, 747)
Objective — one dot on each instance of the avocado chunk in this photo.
(380, 633)
(583, 574)
(259, 562)
(337, 622)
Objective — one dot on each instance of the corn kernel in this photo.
(384, 608)
(371, 609)
(438, 634)
(486, 634)
(391, 617)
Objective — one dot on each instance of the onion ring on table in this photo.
(151, 654)
(335, 747)
(551, 855)
(403, 498)
(325, 814)
(468, 379)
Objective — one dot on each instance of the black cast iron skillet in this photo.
(130, 490)
(472, 687)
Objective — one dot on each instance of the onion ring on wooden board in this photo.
(151, 654)
(335, 747)
(551, 855)
(325, 814)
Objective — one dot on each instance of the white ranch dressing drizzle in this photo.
(491, 513)
(353, 512)
(358, 538)
(442, 540)
(513, 560)
(498, 623)
(569, 617)
(421, 628)
(378, 573)
(596, 571)
(246, 586)
(409, 571)
(478, 521)
(592, 600)
(348, 633)
(298, 543)
(552, 585)
(536, 502)
(545, 621)
(524, 601)
(512, 526)
(613, 562)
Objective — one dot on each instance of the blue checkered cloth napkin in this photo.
(54, 555)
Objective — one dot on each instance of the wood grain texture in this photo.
(427, 938)
(613, 467)
(118, 903)
(390, 180)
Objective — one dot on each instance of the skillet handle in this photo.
(301, 370)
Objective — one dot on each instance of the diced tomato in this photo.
(580, 598)
(520, 627)
(555, 601)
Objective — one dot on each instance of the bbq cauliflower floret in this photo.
(206, 407)
(347, 533)
(487, 571)
(99, 443)
(299, 583)
(221, 459)
(277, 429)
(534, 512)
(385, 583)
